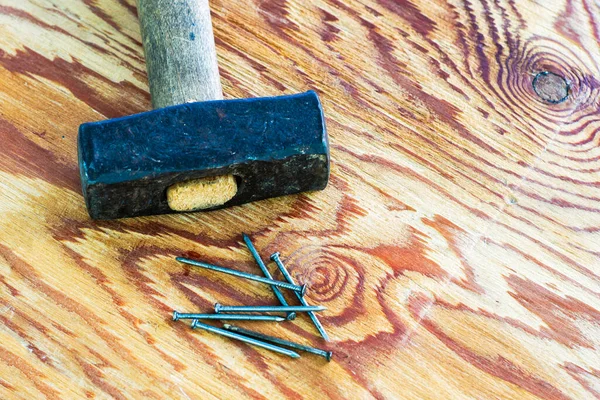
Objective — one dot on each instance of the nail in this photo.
(263, 267)
(197, 324)
(282, 342)
(288, 277)
(221, 308)
(240, 274)
(237, 317)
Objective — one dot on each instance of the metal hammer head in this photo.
(273, 146)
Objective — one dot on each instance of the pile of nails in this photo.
(259, 313)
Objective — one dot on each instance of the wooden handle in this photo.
(180, 51)
(181, 60)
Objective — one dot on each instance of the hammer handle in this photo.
(180, 51)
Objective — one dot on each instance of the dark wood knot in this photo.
(551, 87)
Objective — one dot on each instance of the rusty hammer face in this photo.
(268, 146)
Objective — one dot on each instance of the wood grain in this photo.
(457, 248)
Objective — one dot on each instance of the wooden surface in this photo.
(457, 247)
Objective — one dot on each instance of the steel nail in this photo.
(240, 274)
(197, 324)
(263, 267)
(234, 317)
(288, 277)
(282, 342)
(219, 308)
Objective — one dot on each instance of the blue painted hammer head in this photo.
(272, 146)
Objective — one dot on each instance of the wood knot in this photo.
(551, 87)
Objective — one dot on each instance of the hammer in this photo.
(196, 151)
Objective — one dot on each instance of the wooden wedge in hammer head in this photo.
(196, 151)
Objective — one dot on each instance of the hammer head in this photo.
(273, 146)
